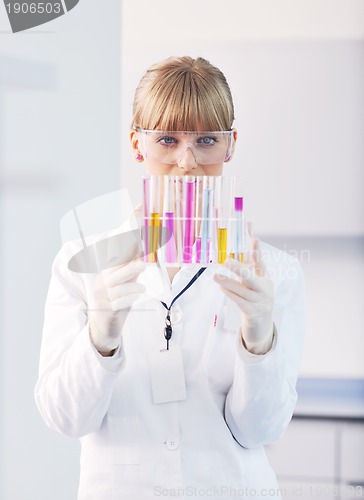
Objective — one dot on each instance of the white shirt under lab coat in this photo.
(211, 443)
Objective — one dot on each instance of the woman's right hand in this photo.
(115, 291)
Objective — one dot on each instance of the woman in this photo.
(199, 427)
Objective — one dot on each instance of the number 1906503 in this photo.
(34, 8)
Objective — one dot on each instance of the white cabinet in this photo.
(320, 459)
(305, 450)
(352, 454)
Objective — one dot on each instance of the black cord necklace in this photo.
(168, 323)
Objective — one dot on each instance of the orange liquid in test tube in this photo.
(154, 236)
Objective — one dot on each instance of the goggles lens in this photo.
(169, 147)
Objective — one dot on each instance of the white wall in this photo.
(59, 146)
(232, 20)
(296, 72)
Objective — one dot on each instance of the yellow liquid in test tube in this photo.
(239, 257)
(154, 236)
(221, 244)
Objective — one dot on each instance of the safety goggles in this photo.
(169, 147)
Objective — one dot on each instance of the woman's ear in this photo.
(134, 141)
(232, 148)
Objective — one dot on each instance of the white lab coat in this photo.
(211, 443)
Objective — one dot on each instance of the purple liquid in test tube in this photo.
(239, 204)
(189, 222)
(239, 230)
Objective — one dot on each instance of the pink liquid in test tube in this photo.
(189, 222)
(239, 203)
(239, 230)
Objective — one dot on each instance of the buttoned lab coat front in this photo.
(211, 443)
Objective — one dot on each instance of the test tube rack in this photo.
(193, 220)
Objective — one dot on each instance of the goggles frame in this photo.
(189, 145)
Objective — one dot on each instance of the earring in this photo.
(139, 157)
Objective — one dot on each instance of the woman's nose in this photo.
(187, 160)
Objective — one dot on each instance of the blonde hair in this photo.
(182, 93)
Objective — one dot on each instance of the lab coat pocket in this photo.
(124, 439)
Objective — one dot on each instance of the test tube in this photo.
(207, 201)
(216, 215)
(155, 218)
(198, 204)
(189, 205)
(178, 221)
(232, 238)
(222, 217)
(238, 204)
(169, 219)
(198, 249)
(221, 244)
(146, 212)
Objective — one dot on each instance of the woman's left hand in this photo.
(253, 292)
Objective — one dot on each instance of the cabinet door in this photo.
(351, 492)
(307, 450)
(291, 490)
(352, 454)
